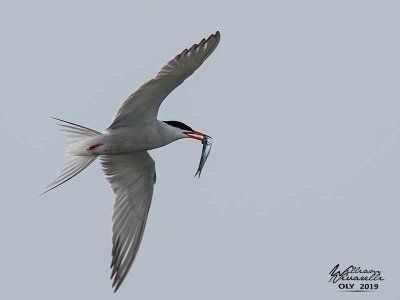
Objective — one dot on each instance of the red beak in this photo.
(195, 135)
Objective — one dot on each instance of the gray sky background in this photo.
(302, 100)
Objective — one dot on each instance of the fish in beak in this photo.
(207, 143)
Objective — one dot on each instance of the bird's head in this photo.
(185, 131)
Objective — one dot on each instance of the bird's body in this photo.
(123, 147)
(146, 136)
(138, 137)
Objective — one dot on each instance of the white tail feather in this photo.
(72, 167)
(75, 131)
(79, 136)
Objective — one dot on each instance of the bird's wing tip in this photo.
(47, 189)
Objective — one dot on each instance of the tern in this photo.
(123, 151)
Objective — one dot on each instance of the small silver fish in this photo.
(207, 143)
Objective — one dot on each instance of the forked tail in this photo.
(79, 136)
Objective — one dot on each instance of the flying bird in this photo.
(123, 151)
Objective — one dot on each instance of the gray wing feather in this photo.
(145, 102)
(132, 178)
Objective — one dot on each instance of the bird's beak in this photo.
(195, 135)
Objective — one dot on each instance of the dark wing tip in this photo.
(117, 286)
(217, 35)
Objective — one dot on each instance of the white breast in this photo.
(126, 140)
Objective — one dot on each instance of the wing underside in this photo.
(132, 178)
(145, 102)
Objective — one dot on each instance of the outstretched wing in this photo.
(132, 178)
(145, 102)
